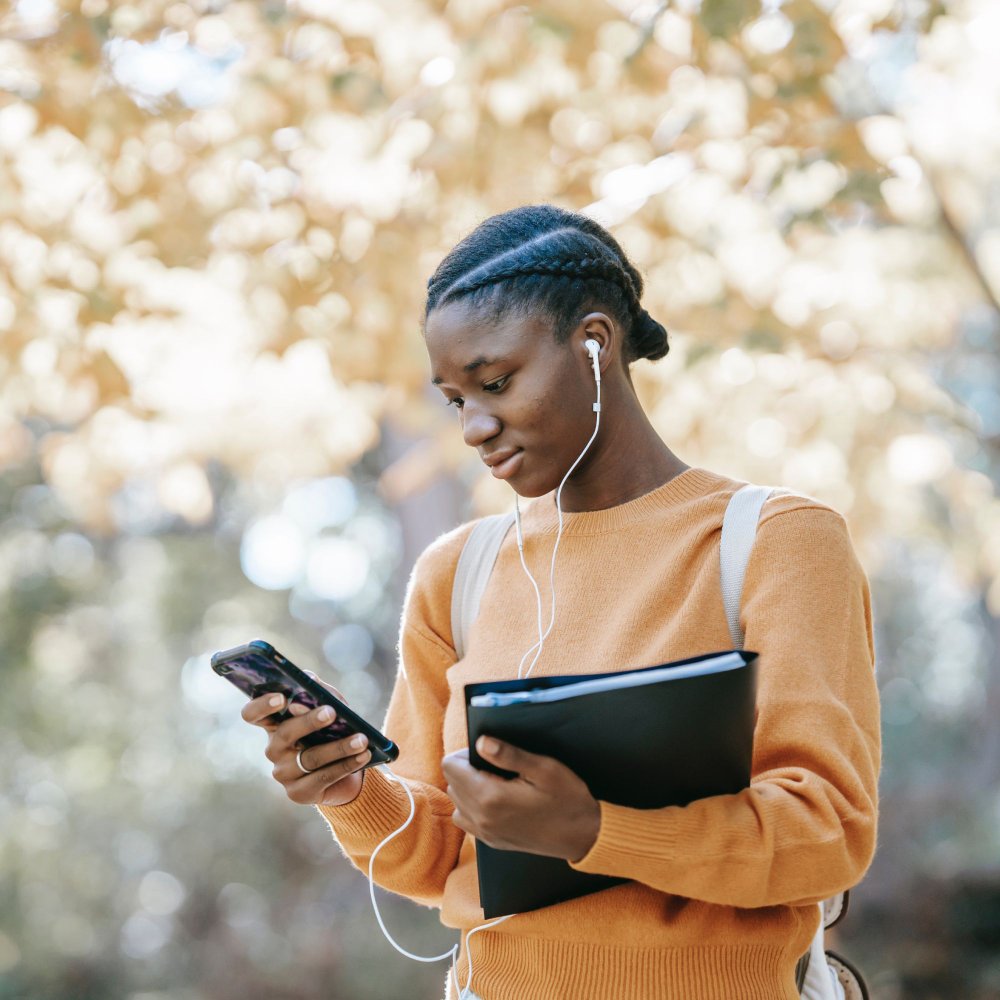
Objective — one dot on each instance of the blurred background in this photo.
(217, 220)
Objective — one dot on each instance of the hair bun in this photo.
(648, 338)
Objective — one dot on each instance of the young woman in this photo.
(721, 898)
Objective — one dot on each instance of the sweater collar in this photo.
(541, 516)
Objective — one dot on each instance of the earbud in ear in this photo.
(594, 350)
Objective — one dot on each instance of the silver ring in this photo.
(302, 767)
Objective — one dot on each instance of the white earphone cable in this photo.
(455, 950)
(552, 567)
(534, 583)
(468, 950)
(452, 952)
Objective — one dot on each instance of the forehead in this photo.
(461, 339)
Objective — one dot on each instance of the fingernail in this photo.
(488, 746)
(363, 758)
(275, 700)
(357, 742)
(296, 709)
(325, 714)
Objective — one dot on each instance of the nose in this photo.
(478, 424)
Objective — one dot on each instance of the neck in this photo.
(627, 460)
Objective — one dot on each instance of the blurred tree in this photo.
(213, 205)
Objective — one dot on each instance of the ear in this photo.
(600, 327)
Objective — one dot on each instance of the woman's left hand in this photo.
(546, 809)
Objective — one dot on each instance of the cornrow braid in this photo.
(510, 260)
(585, 267)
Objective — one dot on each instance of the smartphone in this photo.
(257, 668)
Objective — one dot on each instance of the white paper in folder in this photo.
(632, 678)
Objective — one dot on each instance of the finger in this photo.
(467, 807)
(317, 757)
(455, 761)
(457, 769)
(313, 787)
(289, 732)
(468, 787)
(258, 711)
(462, 823)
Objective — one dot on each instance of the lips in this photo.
(505, 463)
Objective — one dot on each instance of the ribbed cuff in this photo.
(625, 834)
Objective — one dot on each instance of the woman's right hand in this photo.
(335, 768)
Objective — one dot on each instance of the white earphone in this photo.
(594, 350)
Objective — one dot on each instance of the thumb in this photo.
(506, 756)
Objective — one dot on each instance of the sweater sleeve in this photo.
(805, 828)
(418, 861)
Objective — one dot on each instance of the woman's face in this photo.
(524, 401)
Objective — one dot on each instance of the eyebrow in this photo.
(480, 362)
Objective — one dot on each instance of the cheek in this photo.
(558, 424)
(555, 414)
(546, 420)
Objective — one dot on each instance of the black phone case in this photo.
(256, 668)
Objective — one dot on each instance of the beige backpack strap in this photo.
(739, 529)
(473, 573)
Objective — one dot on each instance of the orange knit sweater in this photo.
(723, 892)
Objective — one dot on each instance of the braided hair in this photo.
(544, 258)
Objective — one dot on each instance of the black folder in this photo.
(659, 744)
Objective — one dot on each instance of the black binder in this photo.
(675, 740)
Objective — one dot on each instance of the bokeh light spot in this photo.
(349, 647)
(337, 568)
(273, 552)
(160, 893)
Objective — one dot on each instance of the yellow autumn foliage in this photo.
(217, 221)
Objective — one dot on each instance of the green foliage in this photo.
(724, 18)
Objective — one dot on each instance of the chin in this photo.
(537, 481)
(531, 492)
(530, 488)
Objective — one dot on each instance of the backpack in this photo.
(816, 979)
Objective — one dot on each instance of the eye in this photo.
(498, 385)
